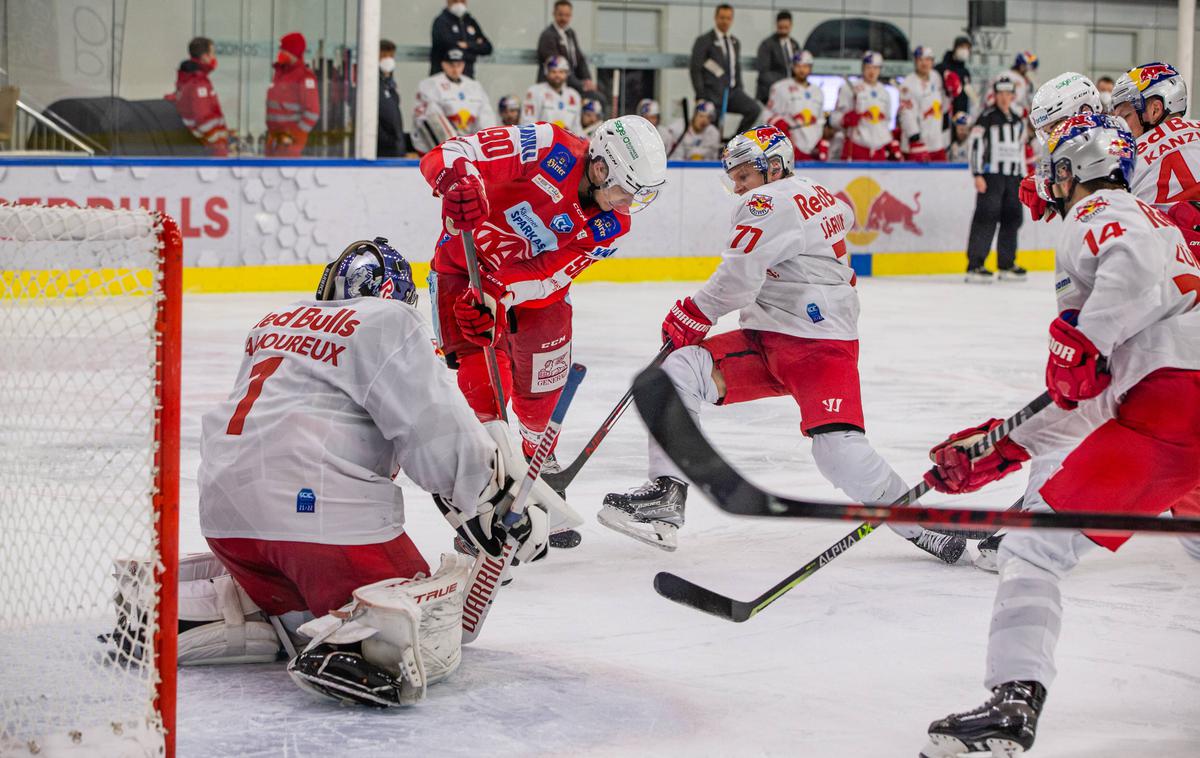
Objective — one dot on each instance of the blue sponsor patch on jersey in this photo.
(445, 238)
(814, 313)
(558, 163)
(600, 253)
(604, 226)
(306, 501)
(527, 136)
(523, 221)
(562, 224)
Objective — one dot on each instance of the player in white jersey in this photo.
(335, 396)
(797, 108)
(923, 103)
(450, 104)
(786, 271)
(700, 141)
(553, 101)
(591, 115)
(1124, 374)
(1021, 75)
(864, 113)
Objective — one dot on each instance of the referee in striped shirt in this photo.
(998, 163)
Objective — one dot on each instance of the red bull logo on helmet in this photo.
(1073, 127)
(765, 137)
(1150, 74)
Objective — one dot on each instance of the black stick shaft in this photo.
(489, 352)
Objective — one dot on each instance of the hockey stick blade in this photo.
(668, 421)
(562, 479)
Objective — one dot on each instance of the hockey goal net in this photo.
(90, 311)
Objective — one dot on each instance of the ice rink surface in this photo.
(581, 657)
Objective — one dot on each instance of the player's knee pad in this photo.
(690, 369)
(846, 459)
(410, 632)
(218, 622)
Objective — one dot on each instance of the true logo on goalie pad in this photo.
(306, 501)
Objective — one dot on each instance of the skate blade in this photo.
(986, 561)
(1005, 748)
(660, 535)
(944, 746)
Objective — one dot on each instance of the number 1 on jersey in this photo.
(259, 373)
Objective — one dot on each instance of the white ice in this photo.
(581, 657)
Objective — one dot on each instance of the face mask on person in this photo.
(387, 65)
(962, 54)
(458, 9)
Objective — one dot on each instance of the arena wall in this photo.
(256, 225)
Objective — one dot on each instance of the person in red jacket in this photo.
(196, 99)
(292, 103)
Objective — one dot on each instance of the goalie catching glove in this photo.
(955, 472)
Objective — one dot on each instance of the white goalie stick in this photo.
(484, 581)
(668, 421)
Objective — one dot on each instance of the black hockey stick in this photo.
(562, 479)
(686, 125)
(670, 424)
(489, 352)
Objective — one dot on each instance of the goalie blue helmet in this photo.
(368, 269)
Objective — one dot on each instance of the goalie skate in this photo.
(651, 513)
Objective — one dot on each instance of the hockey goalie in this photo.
(334, 397)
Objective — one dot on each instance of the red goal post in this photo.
(90, 351)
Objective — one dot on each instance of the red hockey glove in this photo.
(954, 472)
(1028, 195)
(893, 151)
(780, 123)
(1075, 370)
(464, 200)
(1186, 216)
(685, 324)
(821, 151)
(483, 322)
(953, 84)
(850, 119)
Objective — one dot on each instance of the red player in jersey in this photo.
(543, 204)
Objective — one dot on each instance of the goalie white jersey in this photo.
(786, 266)
(331, 399)
(464, 103)
(802, 107)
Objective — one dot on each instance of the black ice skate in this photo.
(563, 539)
(945, 547)
(651, 513)
(1004, 726)
(988, 548)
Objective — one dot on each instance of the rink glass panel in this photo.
(79, 291)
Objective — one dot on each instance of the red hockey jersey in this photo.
(539, 235)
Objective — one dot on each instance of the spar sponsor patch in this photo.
(558, 163)
(760, 205)
(545, 186)
(604, 226)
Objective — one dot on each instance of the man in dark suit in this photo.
(717, 72)
(774, 61)
(455, 28)
(559, 39)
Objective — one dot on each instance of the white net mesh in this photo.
(79, 289)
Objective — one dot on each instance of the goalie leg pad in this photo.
(218, 622)
(411, 629)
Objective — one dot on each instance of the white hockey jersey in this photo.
(684, 144)
(543, 103)
(464, 103)
(922, 104)
(1168, 163)
(1127, 270)
(874, 106)
(802, 107)
(331, 399)
(786, 266)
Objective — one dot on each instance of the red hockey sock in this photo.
(476, 386)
